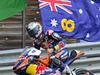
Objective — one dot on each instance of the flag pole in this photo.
(23, 28)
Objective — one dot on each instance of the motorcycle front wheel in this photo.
(83, 72)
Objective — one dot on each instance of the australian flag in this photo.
(79, 19)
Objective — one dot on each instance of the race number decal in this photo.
(33, 51)
(68, 25)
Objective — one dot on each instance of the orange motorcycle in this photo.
(38, 64)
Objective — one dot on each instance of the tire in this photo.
(83, 72)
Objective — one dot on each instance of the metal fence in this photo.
(90, 61)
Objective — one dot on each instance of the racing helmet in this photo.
(34, 29)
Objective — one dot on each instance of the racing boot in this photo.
(79, 54)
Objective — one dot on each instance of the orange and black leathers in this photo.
(52, 40)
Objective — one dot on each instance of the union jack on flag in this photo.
(53, 4)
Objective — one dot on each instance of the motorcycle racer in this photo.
(52, 42)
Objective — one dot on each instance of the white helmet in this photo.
(34, 29)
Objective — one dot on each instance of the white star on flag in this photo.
(80, 11)
(92, 2)
(54, 23)
(88, 35)
(97, 16)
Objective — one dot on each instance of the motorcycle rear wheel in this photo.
(83, 72)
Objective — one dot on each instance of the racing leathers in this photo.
(52, 42)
